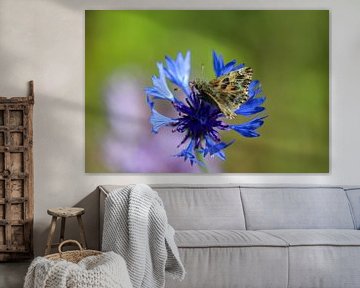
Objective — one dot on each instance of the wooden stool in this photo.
(64, 213)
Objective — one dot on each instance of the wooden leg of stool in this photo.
(51, 235)
(82, 232)
(62, 231)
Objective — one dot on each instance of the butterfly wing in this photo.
(231, 90)
(221, 100)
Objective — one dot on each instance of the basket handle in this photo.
(69, 241)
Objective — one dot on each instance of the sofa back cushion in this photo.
(296, 208)
(202, 207)
(354, 198)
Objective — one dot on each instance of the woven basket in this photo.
(72, 256)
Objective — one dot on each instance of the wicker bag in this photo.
(78, 269)
(72, 256)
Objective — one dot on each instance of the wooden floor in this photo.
(12, 274)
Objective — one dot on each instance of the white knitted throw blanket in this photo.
(103, 271)
(136, 227)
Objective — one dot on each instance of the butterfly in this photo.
(228, 92)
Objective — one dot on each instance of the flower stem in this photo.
(200, 158)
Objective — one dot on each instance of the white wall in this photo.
(43, 40)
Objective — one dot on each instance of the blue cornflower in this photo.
(199, 120)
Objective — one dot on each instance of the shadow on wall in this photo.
(72, 231)
(57, 158)
(28, 52)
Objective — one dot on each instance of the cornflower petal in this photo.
(237, 67)
(189, 154)
(158, 120)
(160, 90)
(178, 71)
(214, 148)
(221, 68)
(248, 129)
(254, 88)
(253, 104)
(218, 63)
(251, 107)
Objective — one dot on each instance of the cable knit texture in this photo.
(136, 227)
(103, 271)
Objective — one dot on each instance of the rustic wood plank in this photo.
(13, 222)
(16, 177)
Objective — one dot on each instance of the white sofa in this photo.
(263, 237)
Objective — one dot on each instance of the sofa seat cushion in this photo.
(322, 258)
(226, 238)
(317, 237)
(231, 258)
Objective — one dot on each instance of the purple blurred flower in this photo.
(129, 145)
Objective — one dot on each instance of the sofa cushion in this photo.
(191, 207)
(324, 266)
(296, 208)
(315, 237)
(327, 258)
(204, 208)
(220, 267)
(226, 238)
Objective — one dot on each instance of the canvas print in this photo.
(207, 91)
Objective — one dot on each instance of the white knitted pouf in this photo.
(107, 270)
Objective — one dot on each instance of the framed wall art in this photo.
(207, 91)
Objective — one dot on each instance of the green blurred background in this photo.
(288, 51)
